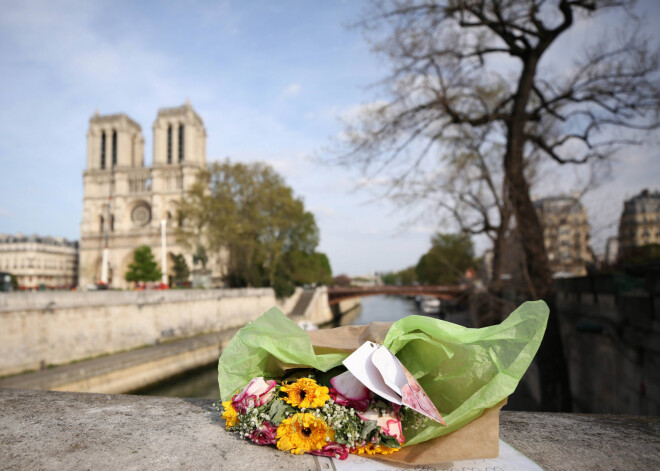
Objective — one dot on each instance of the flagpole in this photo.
(163, 249)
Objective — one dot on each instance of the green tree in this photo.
(447, 260)
(307, 268)
(248, 212)
(408, 276)
(144, 266)
(14, 283)
(389, 278)
(181, 270)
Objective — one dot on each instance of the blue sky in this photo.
(270, 80)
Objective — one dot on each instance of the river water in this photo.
(203, 382)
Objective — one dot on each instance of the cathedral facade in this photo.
(124, 202)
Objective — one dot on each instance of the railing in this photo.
(337, 294)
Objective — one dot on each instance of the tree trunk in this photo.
(555, 387)
(496, 304)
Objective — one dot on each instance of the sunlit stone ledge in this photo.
(59, 430)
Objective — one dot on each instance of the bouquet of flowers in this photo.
(441, 385)
(303, 416)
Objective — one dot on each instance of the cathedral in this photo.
(124, 202)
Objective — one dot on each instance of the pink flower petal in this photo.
(350, 387)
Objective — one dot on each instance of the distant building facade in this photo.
(39, 262)
(640, 222)
(125, 200)
(565, 234)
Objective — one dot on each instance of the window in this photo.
(180, 142)
(101, 221)
(169, 144)
(112, 222)
(114, 147)
(103, 150)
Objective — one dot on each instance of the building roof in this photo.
(645, 202)
(109, 118)
(35, 238)
(559, 204)
(180, 110)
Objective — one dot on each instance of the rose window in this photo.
(141, 215)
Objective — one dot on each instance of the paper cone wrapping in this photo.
(477, 440)
(467, 373)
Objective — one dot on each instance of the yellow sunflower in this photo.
(371, 449)
(230, 415)
(302, 433)
(305, 393)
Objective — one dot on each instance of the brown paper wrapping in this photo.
(477, 440)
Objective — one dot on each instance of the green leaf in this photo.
(389, 441)
(279, 411)
(368, 428)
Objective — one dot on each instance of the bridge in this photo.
(337, 294)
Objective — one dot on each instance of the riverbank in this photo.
(56, 328)
(164, 334)
(127, 371)
(203, 383)
(55, 430)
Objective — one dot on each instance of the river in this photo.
(203, 382)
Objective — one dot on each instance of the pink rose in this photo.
(390, 423)
(332, 450)
(256, 394)
(348, 391)
(264, 435)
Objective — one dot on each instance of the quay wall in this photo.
(610, 326)
(54, 328)
(347, 305)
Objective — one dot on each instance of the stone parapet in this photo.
(40, 330)
(54, 430)
(59, 299)
(59, 328)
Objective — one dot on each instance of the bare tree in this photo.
(469, 188)
(462, 65)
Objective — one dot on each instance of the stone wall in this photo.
(611, 332)
(318, 310)
(52, 328)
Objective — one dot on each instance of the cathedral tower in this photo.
(124, 201)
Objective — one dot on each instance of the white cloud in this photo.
(371, 183)
(324, 210)
(353, 113)
(291, 90)
(423, 229)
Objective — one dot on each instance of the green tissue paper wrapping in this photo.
(464, 371)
